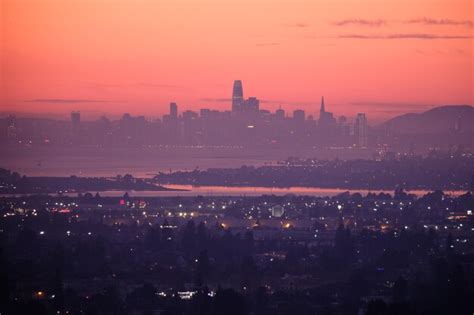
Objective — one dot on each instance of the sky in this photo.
(113, 56)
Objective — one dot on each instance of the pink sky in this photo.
(102, 56)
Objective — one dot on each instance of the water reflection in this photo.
(189, 190)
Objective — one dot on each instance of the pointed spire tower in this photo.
(322, 112)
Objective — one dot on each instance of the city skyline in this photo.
(138, 57)
(237, 104)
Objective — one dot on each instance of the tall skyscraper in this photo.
(75, 120)
(326, 119)
(173, 110)
(322, 110)
(237, 96)
(361, 130)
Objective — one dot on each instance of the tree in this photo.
(189, 236)
(228, 302)
(449, 245)
(400, 290)
(376, 307)
(203, 268)
(202, 235)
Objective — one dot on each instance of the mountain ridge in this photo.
(441, 119)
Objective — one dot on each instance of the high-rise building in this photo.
(344, 126)
(189, 115)
(252, 104)
(280, 113)
(11, 127)
(173, 110)
(204, 112)
(360, 130)
(237, 96)
(322, 110)
(342, 120)
(299, 115)
(326, 119)
(75, 120)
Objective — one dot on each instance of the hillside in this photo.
(439, 120)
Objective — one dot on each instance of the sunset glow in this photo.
(110, 57)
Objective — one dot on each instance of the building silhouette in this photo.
(360, 130)
(299, 115)
(280, 113)
(251, 105)
(248, 107)
(326, 119)
(173, 110)
(237, 96)
(75, 121)
(322, 110)
(11, 127)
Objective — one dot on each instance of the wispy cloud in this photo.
(298, 25)
(431, 21)
(64, 100)
(421, 36)
(422, 21)
(361, 22)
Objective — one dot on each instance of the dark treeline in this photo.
(442, 285)
(14, 183)
(448, 172)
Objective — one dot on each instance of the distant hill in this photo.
(439, 120)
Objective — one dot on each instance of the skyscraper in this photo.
(299, 115)
(322, 110)
(173, 110)
(252, 104)
(237, 96)
(326, 119)
(11, 127)
(280, 113)
(361, 130)
(75, 120)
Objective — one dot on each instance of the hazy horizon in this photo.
(363, 56)
(94, 115)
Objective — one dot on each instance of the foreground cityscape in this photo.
(346, 254)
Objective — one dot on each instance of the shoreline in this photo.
(236, 191)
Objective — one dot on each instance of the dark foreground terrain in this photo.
(348, 254)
